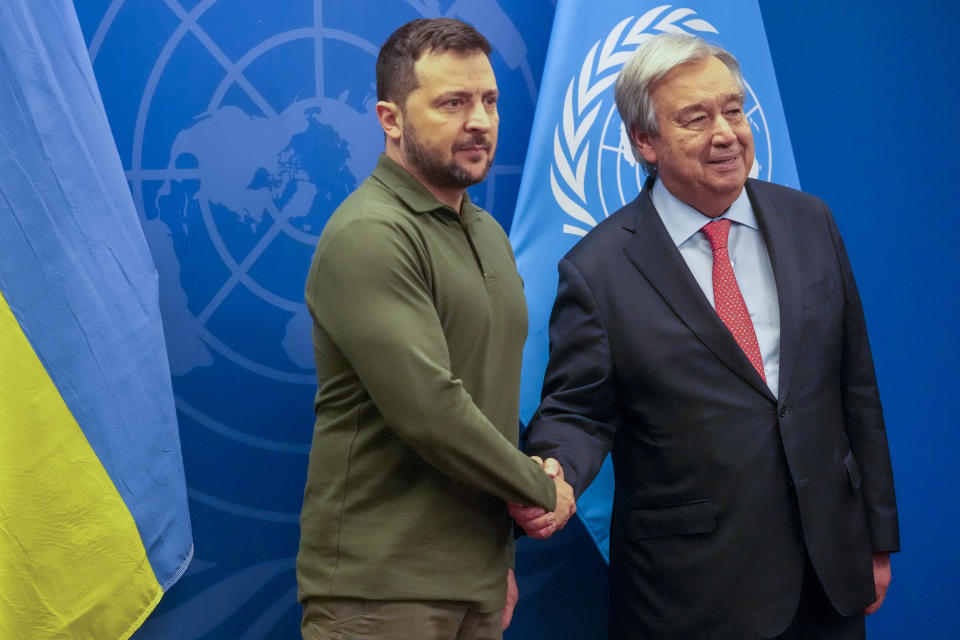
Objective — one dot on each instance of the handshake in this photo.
(538, 522)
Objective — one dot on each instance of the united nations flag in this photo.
(579, 168)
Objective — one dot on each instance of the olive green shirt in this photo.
(419, 322)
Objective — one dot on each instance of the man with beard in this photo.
(419, 320)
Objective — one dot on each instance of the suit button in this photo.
(783, 411)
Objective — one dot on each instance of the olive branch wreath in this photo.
(583, 100)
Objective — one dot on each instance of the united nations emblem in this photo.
(593, 167)
(242, 125)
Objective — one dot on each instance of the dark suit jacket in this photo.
(721, 488)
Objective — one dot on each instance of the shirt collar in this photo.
(683, 221)
(412, 192)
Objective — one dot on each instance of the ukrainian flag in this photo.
(94, 524)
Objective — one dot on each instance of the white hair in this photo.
(648, 64)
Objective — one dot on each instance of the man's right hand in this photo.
(536, 521)
(566, 503)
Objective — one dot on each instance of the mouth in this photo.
(725, 162)
(474, 146)
(473, 149)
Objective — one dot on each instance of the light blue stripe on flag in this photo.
(579, 168)
(76, 271)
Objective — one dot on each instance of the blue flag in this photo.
(580, 169)
(94, 524)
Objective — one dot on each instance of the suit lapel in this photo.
(652, 251)
(786, 272)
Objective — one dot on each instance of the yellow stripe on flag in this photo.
(72, 564)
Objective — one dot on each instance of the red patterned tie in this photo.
(726, 295)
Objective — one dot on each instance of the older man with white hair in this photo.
(711, 336)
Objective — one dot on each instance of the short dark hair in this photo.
(398, 55)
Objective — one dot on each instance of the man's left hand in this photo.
(881, 580)
(512, 596)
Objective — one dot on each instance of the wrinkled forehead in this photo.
(695, 82)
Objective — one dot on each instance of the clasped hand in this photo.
(538, 522)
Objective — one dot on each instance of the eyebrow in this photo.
(702, 106)
(463, 93)
(735, 97)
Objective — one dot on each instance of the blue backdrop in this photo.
(241, 124)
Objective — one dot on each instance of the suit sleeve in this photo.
(863, 416)
(576, 420)
(369, 291)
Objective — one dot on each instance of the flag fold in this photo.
(94, 525)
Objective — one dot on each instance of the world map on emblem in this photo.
(242, 125)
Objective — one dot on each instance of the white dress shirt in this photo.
(750, 259)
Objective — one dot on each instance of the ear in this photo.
(643, 143)
(391, 119)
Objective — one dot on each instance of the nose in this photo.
(723, 133)
(478, 118)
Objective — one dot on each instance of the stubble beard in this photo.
(449, 175)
